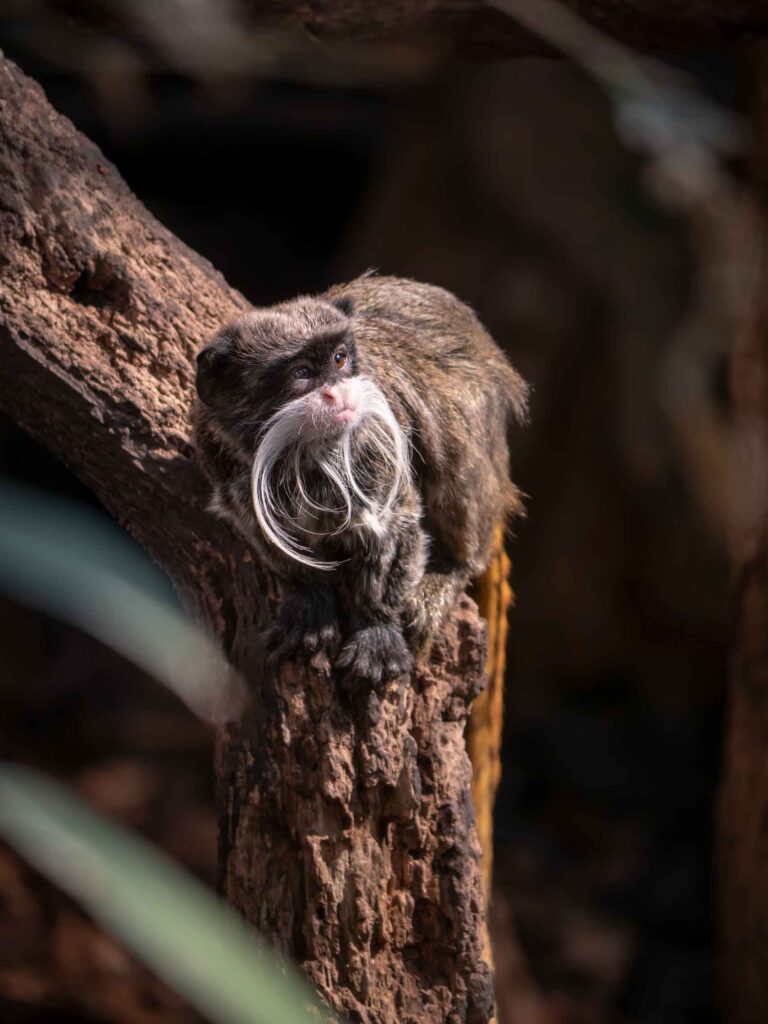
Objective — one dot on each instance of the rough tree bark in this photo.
(743, 798)
(346, 827)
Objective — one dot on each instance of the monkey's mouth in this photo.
(346, 415)
(330, 418)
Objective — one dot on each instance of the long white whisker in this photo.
(279, 432)
(349, 472)
(371, 478)
(306, 498)
(331, 472)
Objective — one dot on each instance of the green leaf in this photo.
(166, 918)
(62, 559)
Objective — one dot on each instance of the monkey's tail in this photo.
(494, 597)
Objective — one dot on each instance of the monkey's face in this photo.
(323, 386)
(302, 354)
(328, 452)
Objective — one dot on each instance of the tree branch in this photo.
(101, 311)
(346, 824)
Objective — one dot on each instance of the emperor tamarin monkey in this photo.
(359, 440)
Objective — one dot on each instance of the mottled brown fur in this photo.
(454, 395)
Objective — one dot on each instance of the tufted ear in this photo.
(344, 304)
(213, 362)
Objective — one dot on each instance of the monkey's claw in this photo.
(307, 626)
(418, 628)
(375, 654)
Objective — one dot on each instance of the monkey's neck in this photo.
(324, 497)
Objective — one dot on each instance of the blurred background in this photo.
(291, 165)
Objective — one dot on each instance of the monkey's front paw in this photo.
(375, 654)
(307, 625)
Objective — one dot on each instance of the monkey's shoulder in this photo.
(402, 302)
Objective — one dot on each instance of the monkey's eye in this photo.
(302, 372)
(340, 359)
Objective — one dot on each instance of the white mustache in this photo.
(289, 429)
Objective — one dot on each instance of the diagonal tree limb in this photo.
(346, 825)
(101, 310)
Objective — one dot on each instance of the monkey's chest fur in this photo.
(365, 547)
(359, 612)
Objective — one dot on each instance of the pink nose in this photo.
(330, 395)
